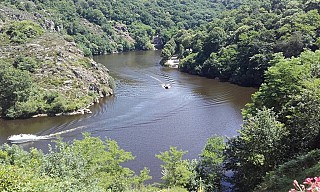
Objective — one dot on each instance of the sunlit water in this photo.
(145, 118)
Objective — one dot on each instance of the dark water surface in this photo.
(145, 118)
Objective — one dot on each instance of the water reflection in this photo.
(143, 117)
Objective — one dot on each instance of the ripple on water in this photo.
(143, 117)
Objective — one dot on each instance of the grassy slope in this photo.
(61, 71)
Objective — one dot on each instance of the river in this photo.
(143, 117)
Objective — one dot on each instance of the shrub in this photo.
(25, 63)
(22, 31)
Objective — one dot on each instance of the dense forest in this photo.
(239, 44)
(28, 28)
(91, 164)
(46, 46)
(273, 45)
(100, 27)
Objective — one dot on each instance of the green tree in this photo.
(21, 31)
(283, 79)
(214, 41)
(175, 170)
(298, 168)
(304, 118)
(189, 64)
(169, 49)
(210, 167)
(256, 150)
(84, 165)
(222, 64)
(25, 63)
(15, 87)
(95, 16)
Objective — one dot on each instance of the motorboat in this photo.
(22, 138)
(166, 86)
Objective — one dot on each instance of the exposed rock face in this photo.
(18, 15)
(62, 68)
(63, 61)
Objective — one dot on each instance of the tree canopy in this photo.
(111, 26)
(239, 44)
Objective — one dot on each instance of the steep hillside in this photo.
(239, 44)
(111, 26)
(43, 72)
(274, 45)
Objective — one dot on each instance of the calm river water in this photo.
(145, 118)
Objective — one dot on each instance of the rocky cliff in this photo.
(62, 79)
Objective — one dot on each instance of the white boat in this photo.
(22, 138)
(166, 86)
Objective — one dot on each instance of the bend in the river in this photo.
(145, 118)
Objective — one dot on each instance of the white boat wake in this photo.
(23, 138)
(163, 85)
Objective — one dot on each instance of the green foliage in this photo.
(223, 64)
(117, 24)
(25, 63)
(175, 170)
(283, 79)
(15, 87)
(208, 172)
(210, 167)
(239, 45)
(57, 105)
(21, 31)
(256, 150)
(169, 49)
(297, 169)
(189, 64)
(111, 83)
(304, 119)
(85, 165)
(292, 90)
(214, 41)
(173, 189)
(11, 181)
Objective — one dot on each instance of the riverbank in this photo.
(47, 74)
(172, 62)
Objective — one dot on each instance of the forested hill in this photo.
(274, 45)
(43, 71)
(239, 44)
(44, 44)
(100, 26)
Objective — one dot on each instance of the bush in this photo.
(68, 38)
(175, 171)
(25, 63)
(281, 179)
(15, 86)
(22, 31)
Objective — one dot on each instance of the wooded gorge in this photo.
(101, 27)
(272, 45)
(239, 44)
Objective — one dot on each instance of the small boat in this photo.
(166, 86)
(22, 138)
